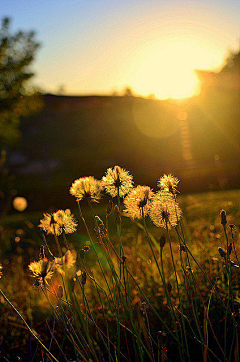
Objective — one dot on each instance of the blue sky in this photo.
(95, 47)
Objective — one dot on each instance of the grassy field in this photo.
(145, 306)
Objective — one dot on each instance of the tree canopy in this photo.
(17, 52)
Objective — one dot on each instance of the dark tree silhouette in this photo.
(17, 52)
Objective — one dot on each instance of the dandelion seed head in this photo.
(86, 188)
(42, 270)
(138, 202)
(66, 221)
(58, 222)
(165, 211)
(66, 264)
(117, 181)
(168, 183)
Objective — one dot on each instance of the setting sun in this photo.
(167, 71)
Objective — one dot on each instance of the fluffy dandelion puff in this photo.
(117, 181)
(66, 263)
(168, 183)
(66, 221)
(165, 211)
(86, 188)
(58, 222)
(42, 270)
(138, 202)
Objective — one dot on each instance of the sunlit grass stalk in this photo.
(44, 290)
(77, 337)
(100, 331)
(178, 290)
(93, 246)
(123, 302)
(169, 300)
(164, 284)
(229, 296)
(149, 333)
(205, 275)
(66, 330)
(52, 358)
(46, 244)
(226, 307)
(83, 326)
(55, 340)
(207, 321)
(192, 297)
(106, 323)
(119, 301)
(87, 311)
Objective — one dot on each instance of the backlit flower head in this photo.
(66, 264)
(58, 222)
(168, 183)
(117, 181)
(1, 270)
(138, 202)
(42, 270)
(86, 188)
(165, 211)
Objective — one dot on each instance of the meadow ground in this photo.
(127, 299)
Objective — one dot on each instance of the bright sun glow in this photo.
(167, 71)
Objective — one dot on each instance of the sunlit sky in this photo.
(101, 46)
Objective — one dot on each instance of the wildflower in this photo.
(66, 264)
(66, 221)
(138, 202)
(222, 252)
(165, 211)
(223, 217)
(1, 271)
(58, 222)
(43, 270)
(117, 182)
(86, 188)
(84, 278)
(83, 252)
(162, 241)
(168, 183)
(231, 227)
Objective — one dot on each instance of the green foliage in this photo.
(17, 52)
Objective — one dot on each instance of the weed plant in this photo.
(153, 300)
